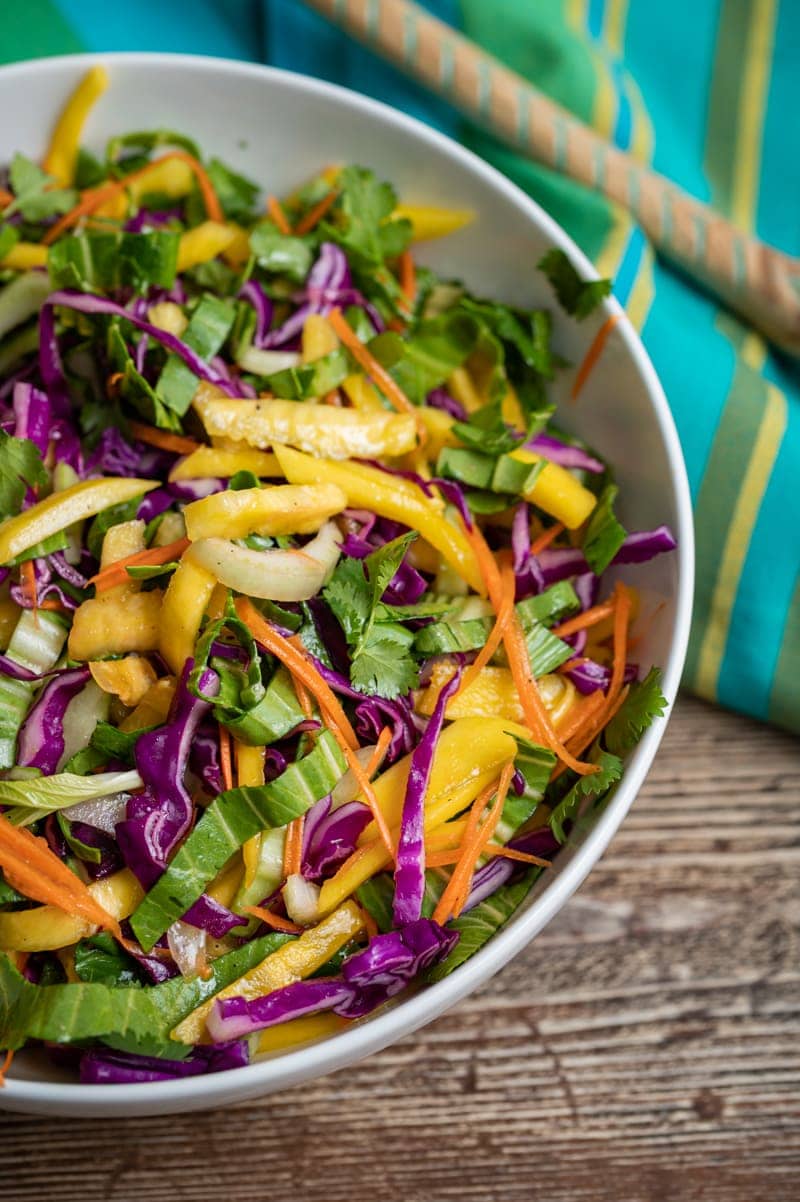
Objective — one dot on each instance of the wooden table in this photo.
(645, 1048)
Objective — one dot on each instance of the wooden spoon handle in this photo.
(759, 282)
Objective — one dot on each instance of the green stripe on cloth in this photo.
(783, 698)
(35, 28)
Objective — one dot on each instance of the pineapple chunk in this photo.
(277, 509)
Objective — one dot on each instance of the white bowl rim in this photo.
(291, 1068)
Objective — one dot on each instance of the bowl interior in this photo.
(280, 129)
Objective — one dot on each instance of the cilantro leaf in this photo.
(382, 565)
(8, 239)
(434, 350)
(21, 467)
(347, 593)
(576, 296)
(605, 534)
(382, 664)
(33, 196)
(644, 702)
(364, 228)
(486, 431)
(280, 253)
(585, 789)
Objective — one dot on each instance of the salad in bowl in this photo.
(318, 632)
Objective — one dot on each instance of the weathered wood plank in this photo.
(646, 1046)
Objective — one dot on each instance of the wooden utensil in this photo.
(756, 280)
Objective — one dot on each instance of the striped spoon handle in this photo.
(758, 281)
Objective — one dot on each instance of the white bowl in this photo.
(280, 128)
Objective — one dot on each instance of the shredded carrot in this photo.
(456, 892)
(6, 197)
(298, 664)
(275, 210)
(593, 354)
(397, 325)
(293, 847)
(393, 393)
(504, 612)
(5, 1066)
(116, 573)
(589, 617)
(33, 869)
(621, 620)
(442, 859)
(54, 605)
(27, 580)
(375, 760)
(93, 198)
(334, 397)
(547, 537)
(332, 713)
(274, 920)
(225, 764)
(303, 699)
(533, 708)
(581, 713)
(163, 439)
(408, 276)
(312, 218)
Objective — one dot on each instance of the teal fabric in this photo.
(717, 112)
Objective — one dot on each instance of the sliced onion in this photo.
(80, 718)
(274, 575)
(348, 787)
(103, 814)
(301, 899)
(264, 363)
(187, 945)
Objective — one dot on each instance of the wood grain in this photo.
(644, 1048)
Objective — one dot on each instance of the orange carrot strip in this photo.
(225, 764)
(536, 715)
(332, 713)
(408, 276)
(589, 617)
(163, 439)
(116, 572)
(384, 739)
(27, 579)
(547, 537)
(273, 920)
(312, 218)
(5, 1066)
(457, 889)
(52, 604)
(277, 214)
(92, 198)
(497, 632)
(32, 868)
(593, 354)
(370, 925)
(298, 664)
(393, 393)
(293, 847)
(6, 197)
(511, 853)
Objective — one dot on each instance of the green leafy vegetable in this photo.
(236, 193)
(101, 262)
(576, 296)
(32, 799)
(91, 855)
(605, 534)
(281, 254)
(8, 239)
(106, 518)
(228, 822)
(478, 926)
(433, 351)
(34, 197)
(586, 789)
(644, 703)
(100, 958)
(310, 379)
(363, 225)
(21, 467)
(132, 387)
(208, 328)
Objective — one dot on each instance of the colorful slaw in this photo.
(309, 658)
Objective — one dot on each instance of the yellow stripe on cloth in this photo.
(643, 292)
(752, 104)
(740, 532)
(615, 25)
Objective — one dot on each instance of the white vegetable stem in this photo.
(274, 575)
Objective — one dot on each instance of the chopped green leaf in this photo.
(34, 197)
(21, 468)
(100, 958)
(576, 296)
(101, 262)
(605, 534)
(208, 328)
(281, 254)
(361, 220)
(587, 789)
(476, 927)
(644, 703)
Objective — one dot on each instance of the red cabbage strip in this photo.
(33, 415)
(107, 1067)
(85, 302)
(440, 398)
(562, 562)
(41, 737)
(488, 879)
(255, 295)
(564, 454)
(409, 873)
(590, 676)
(332, 837)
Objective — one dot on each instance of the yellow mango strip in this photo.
(154, 707)
(25, 255)
(320, 429)
(61, 509)
(462, 387)
(213, 461)
(250, 771)
(9, 616)
(318, 338)
(225, 884)
(390, 497)
(121, 541)
(47, 928)
(237, 252)
(292, 962)
(428, 221)
(362, 394)
(62, 153)
(128, 678)
(115, 625)
(203, 243)
(168, 316)
(493, 694)
(185, 601)
(557, 492)
(299, 1030)
(281, 509)
(168, 176)
(439, 428)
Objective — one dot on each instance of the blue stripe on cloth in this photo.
(202, 27)
(595, 17)
(776, 218)
(628, 269)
